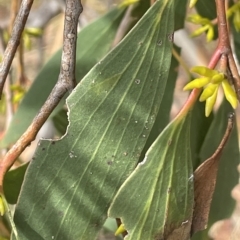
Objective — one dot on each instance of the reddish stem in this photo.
(195, 93)
(223, 49)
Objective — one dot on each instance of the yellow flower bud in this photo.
(2, 208)
(197, 83)
(27, 41)
(210, 34)
(126, 3)
(218, 78)
(229, 93)
(210, 102)
(192, 3)
(204, 71)
(120, 230)
(208, 91)
(197, 19)
(199, 31)
(36, 32)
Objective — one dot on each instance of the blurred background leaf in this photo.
(13, 182)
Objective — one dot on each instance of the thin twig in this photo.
(14, 41)
(7, 89)
(21, 68)
(13, 13)
(8, 99)
(66, 81)
(224, 44)
(124, 26)
(152, 2)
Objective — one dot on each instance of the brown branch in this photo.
(224, 44)
(14, 41)
(13, 13)
(66, 81)
(21, 67)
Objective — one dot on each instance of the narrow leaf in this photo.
(222, 204)
(71, 182)
(205, 181)
(159, 192)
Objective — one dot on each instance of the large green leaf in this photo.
(71, 182)
(159, 192)
(94, 42)
(222, 203)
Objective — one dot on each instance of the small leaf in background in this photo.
(160, 189)
(71, 182)
(180, 13)
(222, 204)
(206, 9)
(199, 128)
(236, 40)
(60, 121)
(205, 181)
(13, 182)
(96, 38)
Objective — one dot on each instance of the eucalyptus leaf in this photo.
(222, 204)
(205, 181)
(160, 189)
(70, 184)
(163, 116)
